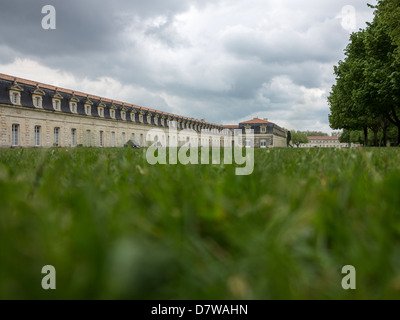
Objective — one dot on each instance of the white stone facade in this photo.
(39, 115)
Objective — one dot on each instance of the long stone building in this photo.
(327, 142)
(34, 114)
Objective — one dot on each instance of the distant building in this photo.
(266, 133)
(327, 142)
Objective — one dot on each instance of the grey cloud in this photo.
(105, 38)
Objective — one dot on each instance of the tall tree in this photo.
(299, 138)
(367, 90)
(382, 70)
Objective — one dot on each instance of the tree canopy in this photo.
(366, 95)
(299, 138)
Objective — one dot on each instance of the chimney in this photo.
(266, 119)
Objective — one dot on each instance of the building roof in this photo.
(323, 138)
(231, 126)
(256, 121)
(36, 84)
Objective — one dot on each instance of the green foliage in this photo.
(115, 227)
(367, 90)
(299, 138)
(315, 133)
(389, 13)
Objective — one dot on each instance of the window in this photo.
(248, 143)
(88, 142)
(133, 136)
(113, 139)
(123, 115)
(56, 136)
(263, 143)
(56, 105)
(15, 98)
(113, 114)
(132, 116)
(73, 107)
(73, 137)
(123, 138)
(88, 110)
(15, 93)
(37, 136)
(101, 138)
(15, 135)
(101, 112)
(37, 102)
(263, 130)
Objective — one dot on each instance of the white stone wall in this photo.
(28, 118)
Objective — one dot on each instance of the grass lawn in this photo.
(115, 227)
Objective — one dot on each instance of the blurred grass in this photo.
(115, 227)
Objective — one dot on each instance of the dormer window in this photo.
(15, 93)
(88, 107)
(100, 109)
(263, 130)
(37, 102)
(149, 118)
(112, 113)
(56, 105)
(73, 104)
(57, 101)
(123, 115)
(141, 117)
(132, 116)
(37, 97)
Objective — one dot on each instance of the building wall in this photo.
(28, 118)
(99, 122)
(328, 144)
(280, 142)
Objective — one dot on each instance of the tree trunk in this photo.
(384, 128)
(376, 137)
(398, 138)
(366, 136)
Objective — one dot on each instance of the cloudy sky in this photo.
(225, 61)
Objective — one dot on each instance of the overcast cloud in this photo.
(225, 61)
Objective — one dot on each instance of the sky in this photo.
(224, 61)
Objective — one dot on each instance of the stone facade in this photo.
(40, 115)
(327, 142)
(266, 134)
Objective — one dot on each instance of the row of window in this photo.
(37, 137)
(325, 141)
(37, 97)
